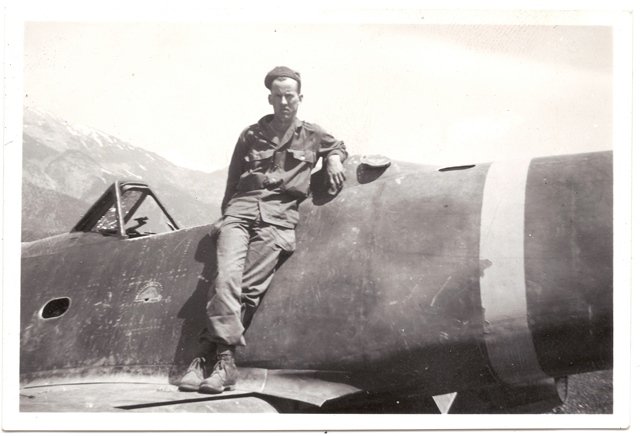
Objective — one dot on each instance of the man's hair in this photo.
(282, 78)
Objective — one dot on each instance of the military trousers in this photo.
(248, 252)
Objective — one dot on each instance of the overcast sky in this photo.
(442, 94)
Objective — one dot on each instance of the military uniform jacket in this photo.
(268, 179)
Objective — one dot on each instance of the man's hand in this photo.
(217, 226)
(335, 171)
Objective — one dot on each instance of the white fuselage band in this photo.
(508, 338)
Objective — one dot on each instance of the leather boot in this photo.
(199, 368)
(224, 375)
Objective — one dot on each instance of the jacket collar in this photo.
(265, 128)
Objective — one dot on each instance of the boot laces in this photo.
(197, 364)
(222, 362)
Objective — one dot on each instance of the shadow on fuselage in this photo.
(194, 310)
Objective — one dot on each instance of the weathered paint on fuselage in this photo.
(385, 281)
(384, 285)
(105, 326)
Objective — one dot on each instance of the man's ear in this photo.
(300, 96)
(270, 99)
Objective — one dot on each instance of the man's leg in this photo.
(224, 324)
(267, 245)
(224, 306)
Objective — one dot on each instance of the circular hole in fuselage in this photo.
(55, 308)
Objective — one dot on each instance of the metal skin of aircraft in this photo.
(415, 289)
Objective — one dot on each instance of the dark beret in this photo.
(281, 72)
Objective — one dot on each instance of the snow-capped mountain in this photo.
(67, 166)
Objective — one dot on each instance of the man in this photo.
(268, 177)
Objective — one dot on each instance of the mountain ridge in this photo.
(73, 164)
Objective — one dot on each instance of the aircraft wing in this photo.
(138, 397)
(120, 394)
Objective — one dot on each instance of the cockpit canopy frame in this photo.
(116, 212)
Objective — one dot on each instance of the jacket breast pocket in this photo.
(259, 160)
(297, 157)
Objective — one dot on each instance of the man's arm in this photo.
(334, 152)
(236, 168)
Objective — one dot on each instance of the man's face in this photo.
(285, 99)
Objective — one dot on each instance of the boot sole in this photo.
(206, 390)
(188, 388)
